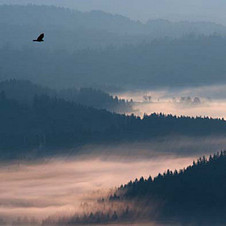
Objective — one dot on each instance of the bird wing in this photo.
(41, 36)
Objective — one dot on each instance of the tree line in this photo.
(195, 193)
(50, 123)
(24, 92)
(191, 196)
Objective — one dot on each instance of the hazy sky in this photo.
(144, 9)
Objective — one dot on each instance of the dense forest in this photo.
(24, 92)
(191, 196)
(194, 193)
(51, 122)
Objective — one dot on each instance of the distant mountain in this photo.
(96, 49)
(192, 195)
(143, 9)
(188, 61)
(70, 29)
(165, 28)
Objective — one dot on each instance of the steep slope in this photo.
(194, 193)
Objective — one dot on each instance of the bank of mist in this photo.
(68, 186)
(61, 187)
(204, 101)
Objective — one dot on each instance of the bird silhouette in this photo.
(40, 38)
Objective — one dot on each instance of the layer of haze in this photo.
(207, 10)
(61, 186)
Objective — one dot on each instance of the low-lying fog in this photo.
(63, 186)
(201, 101)
(60, 186)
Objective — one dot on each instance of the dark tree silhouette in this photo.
(192, 196)
(24, 91)
(195, 193)
(50, 122)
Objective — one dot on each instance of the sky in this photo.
(202, 10)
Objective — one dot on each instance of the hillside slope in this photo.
(56, 123)
(194, 193)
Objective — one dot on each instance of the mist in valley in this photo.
(205, 101)
(64, 186)
(61, 187)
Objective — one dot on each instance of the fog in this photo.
(146, 9)
(60, 186)
(68, 185)
(210, 101)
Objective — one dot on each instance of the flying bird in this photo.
(40, 38)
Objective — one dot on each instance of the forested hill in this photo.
(194, 193)
(24, 92)
(54, 123)
(192, 196)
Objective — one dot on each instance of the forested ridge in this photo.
(191, 196)
(73, 29)
(194, 193)
(53, 122)
(24, 92)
